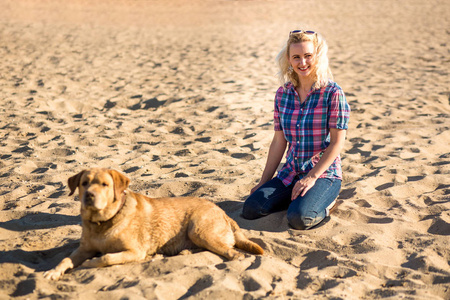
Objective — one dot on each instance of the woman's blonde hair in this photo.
(321, 72)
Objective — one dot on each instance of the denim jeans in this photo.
(303, 212)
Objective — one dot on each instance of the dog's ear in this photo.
(74, 182)
(121, 182)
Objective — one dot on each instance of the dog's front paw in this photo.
(53, 274)
(93, 263)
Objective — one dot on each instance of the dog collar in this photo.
(122, 201)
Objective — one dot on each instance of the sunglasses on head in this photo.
(302, 31)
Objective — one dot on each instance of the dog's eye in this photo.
(105, 184)
(84, 183)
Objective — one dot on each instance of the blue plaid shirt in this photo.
(306, 127)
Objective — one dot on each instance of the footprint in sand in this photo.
(243, 156)
(384, 186)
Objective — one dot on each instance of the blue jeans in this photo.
(303, 212)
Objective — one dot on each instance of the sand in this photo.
(178, 95)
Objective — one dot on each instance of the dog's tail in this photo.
(242, 242)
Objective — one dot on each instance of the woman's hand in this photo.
(256, 187)
(302, 186)
(337, 138)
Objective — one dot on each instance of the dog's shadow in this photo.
(39, 220)
(39, 260)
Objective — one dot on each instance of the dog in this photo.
(123, 226)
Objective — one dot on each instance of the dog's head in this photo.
(100, 192)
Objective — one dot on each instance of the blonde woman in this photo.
(310, 118)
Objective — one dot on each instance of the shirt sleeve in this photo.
(276, 112)
(339, 113)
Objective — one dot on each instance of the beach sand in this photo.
(178, 95)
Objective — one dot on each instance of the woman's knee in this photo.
(302, 221)
(251, 209)
(269, 198)
(249, 212)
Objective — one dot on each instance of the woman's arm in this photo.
(337, 139)
(276, 152)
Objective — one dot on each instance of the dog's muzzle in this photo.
(89, 201)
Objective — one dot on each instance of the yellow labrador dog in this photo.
(124, 226)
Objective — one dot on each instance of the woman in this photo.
(311, 117)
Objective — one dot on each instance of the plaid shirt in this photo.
(306, 128)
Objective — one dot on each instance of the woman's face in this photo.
(302, 58)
